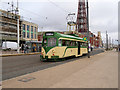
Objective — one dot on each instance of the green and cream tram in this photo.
(56, 45)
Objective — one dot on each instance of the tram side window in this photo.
(63, 43)
(59, 43)
(76, 43)
(67, 43)
(72, 43)
(84, 44)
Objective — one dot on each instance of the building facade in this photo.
(8, 26)
(29, 31)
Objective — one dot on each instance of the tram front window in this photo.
(51, 42)
(44, 41)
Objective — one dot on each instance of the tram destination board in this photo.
(49, 34)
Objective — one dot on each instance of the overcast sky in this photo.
(51, 14)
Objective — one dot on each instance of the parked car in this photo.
(9, 45)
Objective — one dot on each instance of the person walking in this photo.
(39, 48)
(22, 48)
(33, 48)
(27, 48)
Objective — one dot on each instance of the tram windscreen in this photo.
(51, 42)
(44, 42)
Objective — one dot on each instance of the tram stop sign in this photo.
(85, 39)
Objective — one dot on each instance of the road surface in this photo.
(14, 66)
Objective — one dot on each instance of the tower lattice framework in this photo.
(81, 23)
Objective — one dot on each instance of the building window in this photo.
(81, 20)
(23, 30)
(81, 26)
(28, 28)
(35, 33)
(23, 34)
(32, 35)
(31, 28)
(35, 29)
(32, 32)
(28, 33)
(23, 26)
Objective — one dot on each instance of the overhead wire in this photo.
(58, 6)
(37, 13)
(27, 11)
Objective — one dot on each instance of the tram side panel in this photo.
(57, 52)
(71, 52)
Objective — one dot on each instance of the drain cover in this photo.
(26, 79)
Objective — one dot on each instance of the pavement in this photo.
(99, 71)
(14, 53)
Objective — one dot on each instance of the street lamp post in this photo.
(106, 41)
(88, 29)
(93, 40)
(18, 49)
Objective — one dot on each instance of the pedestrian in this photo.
(39, 48)
(33, 48)
(27, 48)
(22, 48)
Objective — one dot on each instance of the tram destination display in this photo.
(49, 34)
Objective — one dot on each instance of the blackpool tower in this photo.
(81, 23)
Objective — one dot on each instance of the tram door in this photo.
(78, 48)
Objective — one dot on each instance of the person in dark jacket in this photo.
(33, 48)
(22, 48)
(27, 48)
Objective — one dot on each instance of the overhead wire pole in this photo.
(106, 41)
(112, 43)
(88, 29)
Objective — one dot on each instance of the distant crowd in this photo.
(25, 48)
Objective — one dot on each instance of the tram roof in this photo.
(67, 37)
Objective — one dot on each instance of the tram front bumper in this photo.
(54, 57)
(46, 57)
